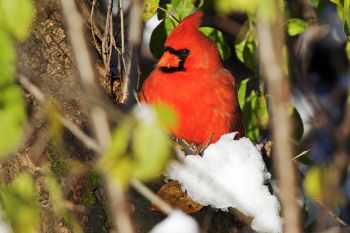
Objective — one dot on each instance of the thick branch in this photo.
(271, 41)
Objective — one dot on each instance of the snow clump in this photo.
(177, 222)
(231, 173)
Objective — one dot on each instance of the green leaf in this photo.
(255, 110)
(115, 162)
(296, 26)
(150, 8)
(315, 3)
(229, 6)
(120, 139)
(7, 59)
(151, 146)
(298, 125)
(337, 2)
(242, 90)
(261, 111)
(250, 118)
(157, 40)
(314, 182)
(217, 37)
(340, 10)
(19, 204)
(166, 116)
(347, 18)
(245, 46)
(183, 8)
(12, 115)
(347, 49)
(16, 16)
(140, 146)
(317, 183)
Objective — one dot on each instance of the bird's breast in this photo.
(204, 106)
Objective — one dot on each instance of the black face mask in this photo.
(182, 54)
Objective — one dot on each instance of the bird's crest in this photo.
(189, 24)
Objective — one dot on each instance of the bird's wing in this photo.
(225, 78)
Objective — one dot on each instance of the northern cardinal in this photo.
(191, 79)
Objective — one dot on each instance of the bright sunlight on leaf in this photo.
(228, 6)
(296, 26)
(245, 46)
(16, 16)
(150, 8)
(12, 112)
(140, 146)
(217, 37)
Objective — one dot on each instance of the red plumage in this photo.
(190, 78)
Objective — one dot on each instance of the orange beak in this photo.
(169, 60)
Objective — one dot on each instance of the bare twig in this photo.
(333, 215)
(75, 130)
(107, 37)
(271, 40)
(301, 154)
(92, 144)
(121, 217)
(153, 198)
(97, 46)
(132, 65)
(122, 31)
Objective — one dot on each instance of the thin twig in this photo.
(97, 46)
(75, 130)
(107, 37)
(333, 215)
(98, 115)
(301, 154)
(91, 144)
(271, 40)
(153, 198)
(170, 14)
(122, 31)
(134, 37)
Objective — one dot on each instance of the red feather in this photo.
(203, 93)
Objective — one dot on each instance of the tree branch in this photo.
(132, 64)
(271, 42)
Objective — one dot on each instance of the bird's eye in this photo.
(185, 52)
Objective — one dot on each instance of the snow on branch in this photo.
(231, 173)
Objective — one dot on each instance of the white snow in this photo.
(231, 173)
(177, 222)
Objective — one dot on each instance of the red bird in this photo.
(191, 79)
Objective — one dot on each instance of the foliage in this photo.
(19, 203)
(245, 45)
(174, 11)
(255, 111)
(140, 146)
(343, 9)
(227, 6)
(15, 19)
(296, 26)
